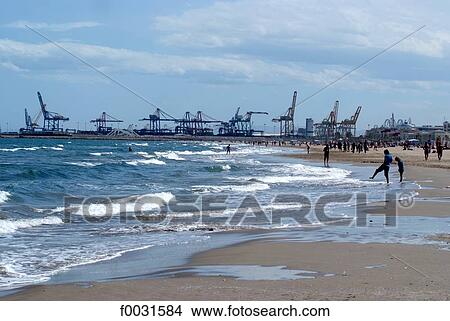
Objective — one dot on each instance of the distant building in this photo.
(309, 127)
(301, 132)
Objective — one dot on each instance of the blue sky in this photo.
(217, 55)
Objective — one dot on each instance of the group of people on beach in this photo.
(439, 149)
(384, 167)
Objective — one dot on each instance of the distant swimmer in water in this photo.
(401, 167)
(130, 149)
(228, 149)
(326, 155)
(385, 166)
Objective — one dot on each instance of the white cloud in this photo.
(226, 68)
(58, 27)
(296, 23)
(13, 67)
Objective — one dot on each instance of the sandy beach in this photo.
(347, 271)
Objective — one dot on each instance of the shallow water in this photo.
(37, 242)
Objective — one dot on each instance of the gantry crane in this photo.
(347, 127)
(196, 124)
(327, 129)
(51, 119)
(240, 125)
(102, 123)
(287, 120)
(155, 119)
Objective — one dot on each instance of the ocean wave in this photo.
(138, 144)
(4, 196)
(101, 153)
(10, 226)
(126, 205)
(219, 168)
(15, 149)
(144, 154)
(83, 164)
(138, 162)
(254, 187)
(170, 155)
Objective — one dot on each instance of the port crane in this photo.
(287, 120)
(347, 127)
(195, 124)
(155, 120)
(102, 123)
(240, 125)
(31, 125)
(328, 127)
(51, 119)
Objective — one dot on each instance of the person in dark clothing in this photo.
(326, 155)
(385, 166)
(307, 148)
(130, 149)
(439, 150)
(228, 149)
(426, 150)
(401, 167)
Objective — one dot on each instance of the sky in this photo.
(217, 55)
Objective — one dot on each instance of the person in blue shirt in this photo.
(385, 166)
(401, 167)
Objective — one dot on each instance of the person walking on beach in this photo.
(426, 150)
(401, 167)
(384, 167)
(326, 155)
(228, 149)
(439, 149)
(307, 148)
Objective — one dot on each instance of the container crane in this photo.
(102, 123)
(51, 119)
(287, 120)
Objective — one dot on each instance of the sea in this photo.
(76, 210)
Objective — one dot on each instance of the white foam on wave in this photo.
(230, 188)
(10, 226)
(138, 144)
(299, 173)
(152, 161)
(144, 154)
(170, 155)
(4, 196)
(146, 202)
(34, 148)
(226, 167)
(83, 164)
(101, 153)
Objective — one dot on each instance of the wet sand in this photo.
(359, 271)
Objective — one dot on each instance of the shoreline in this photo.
(257, 252)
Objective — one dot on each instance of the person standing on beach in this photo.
(426, 150)
(401, 167)
(439, 149)
(228, 149)
(385, 166)
(307, 148)
(326, 155)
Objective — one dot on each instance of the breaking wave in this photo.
(10, 226)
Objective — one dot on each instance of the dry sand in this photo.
(404, 272)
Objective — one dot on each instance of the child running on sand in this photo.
(385, 166)
(401, 167)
